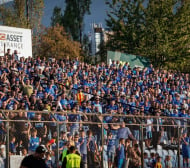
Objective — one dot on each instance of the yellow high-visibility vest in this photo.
(64, 154)
(73, 161)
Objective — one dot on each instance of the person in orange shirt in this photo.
(158, 162)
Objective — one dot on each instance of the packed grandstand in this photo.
(44, 85)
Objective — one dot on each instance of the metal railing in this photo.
(96, 122)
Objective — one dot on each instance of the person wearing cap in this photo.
(72, 160)
(35, 160)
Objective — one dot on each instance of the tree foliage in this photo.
(157, 29)
(55, 42)
(23, 14)
(73, 18)
(57, 16)
(73, 21)
(125, 19)
(158, 34)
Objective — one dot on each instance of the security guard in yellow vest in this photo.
(72, 160)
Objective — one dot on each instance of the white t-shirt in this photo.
(149, 127)
(146, 163)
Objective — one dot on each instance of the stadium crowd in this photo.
(63, 85)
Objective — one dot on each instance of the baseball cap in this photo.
(52, 141)
(40, 149)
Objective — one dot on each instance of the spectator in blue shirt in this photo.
(50, 90)
(111, 145)
(124, 132)
(13, 145)
(34, 141)
(120, 153)
(83, 146)
(91, 149)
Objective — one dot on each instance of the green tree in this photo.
(73, 18)
(57, 16)
(167, 32)
(158, 29)
(157, 42)
(181, 26)
(25, 13)
(126, 22)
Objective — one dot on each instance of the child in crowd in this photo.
(111, 149)
(152, 160)
(158, 162)
(70, 139)
(168, 162)
(34, 141)
(12, 145)
(120, 152)
(24, 152)
(127, 147)
(146, 160)
(48, 160)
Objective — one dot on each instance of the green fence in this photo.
(133, 60)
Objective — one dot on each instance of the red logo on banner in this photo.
(2, 36)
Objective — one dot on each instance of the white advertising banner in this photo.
(15, 161)
(16, 39)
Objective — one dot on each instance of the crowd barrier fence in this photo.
(170, 125)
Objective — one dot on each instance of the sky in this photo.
(98, 12)
(4, 1)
